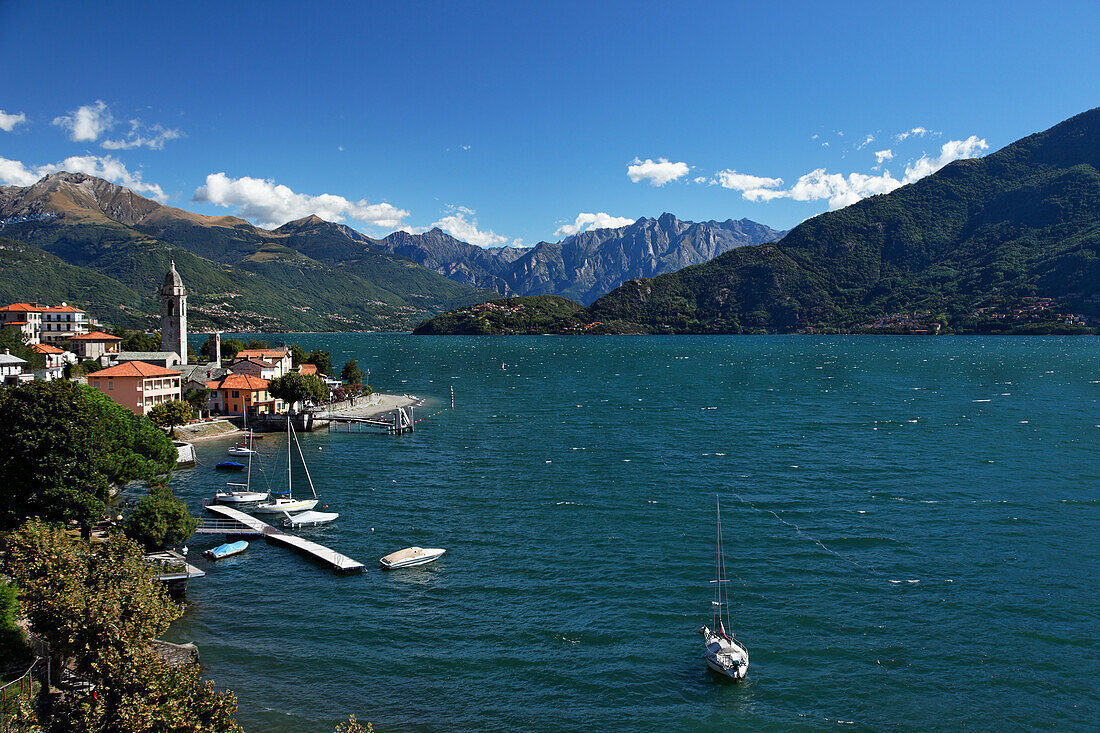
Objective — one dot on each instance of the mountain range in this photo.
(75, 237)
(973, 238)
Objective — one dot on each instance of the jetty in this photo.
(400, 423)
(234, 522)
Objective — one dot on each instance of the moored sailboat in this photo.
(284, 501)
(724, 654)
(242, 493)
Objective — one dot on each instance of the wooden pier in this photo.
(247, 525)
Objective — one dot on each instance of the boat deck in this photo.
(248, 524)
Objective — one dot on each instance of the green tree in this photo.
(351, 373)
(294, 387)
(298, 355)
(170, 414)
(230, 347)
(160, 520)
(197, 398)
(138, 341)
(101, 606)
(15, 342)
(257, 344)
(90, 365)
(65, 445)
(322, 360)
(13, 643)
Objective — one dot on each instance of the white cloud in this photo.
(866, 141)
(841, 190)
(743, 181)
(658, 172)
(271, 204)
(881, 155)
(141, 135)
(458, 226)
(587, 222)
(9, 121)
(86, 123)
(14, 173)
(915, 132)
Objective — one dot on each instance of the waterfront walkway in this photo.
(248, 524)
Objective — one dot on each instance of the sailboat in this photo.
(284, 501)
(724, 654)
(242, 493)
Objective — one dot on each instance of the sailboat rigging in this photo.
(242, 493)
(724, 654)
(285, 502)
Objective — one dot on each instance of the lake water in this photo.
(912, 532)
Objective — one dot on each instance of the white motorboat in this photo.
(284, 501)
(241, 493)
(240, 449)
(308, 519)
(724, 654)
(229, 549)
(411, 556)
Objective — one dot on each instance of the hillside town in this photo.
(72, 346)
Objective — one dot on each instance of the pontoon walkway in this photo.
(252, 525)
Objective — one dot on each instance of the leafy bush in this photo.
(160, 520)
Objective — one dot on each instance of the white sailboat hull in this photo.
(285, 505)
(239, 497)
(725, 656)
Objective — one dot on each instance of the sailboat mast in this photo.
(289, 468)
(248, 477)
(305, 467)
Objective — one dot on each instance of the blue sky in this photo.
(508, 121)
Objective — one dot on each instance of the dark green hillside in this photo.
(28, 273)
(530, 315)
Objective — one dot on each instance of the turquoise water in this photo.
(912, 534)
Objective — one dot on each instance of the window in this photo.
(110, 384)
(95, 383)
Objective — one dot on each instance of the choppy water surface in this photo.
(912, 525)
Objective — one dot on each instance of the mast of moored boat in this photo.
(304, 466)
(289, 468)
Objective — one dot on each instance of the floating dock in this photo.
(247, 525)
(401, 422)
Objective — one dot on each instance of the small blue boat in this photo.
(230, 466)
(227, 550)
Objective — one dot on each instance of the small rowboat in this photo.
(230, 466)
(227, 550)
(411, 556)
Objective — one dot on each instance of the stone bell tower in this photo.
(173, 314)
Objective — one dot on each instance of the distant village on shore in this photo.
(70, 342)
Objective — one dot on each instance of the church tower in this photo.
(173, 314)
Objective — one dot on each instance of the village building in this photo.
(305, 369)
(11, 369)
(137, 386)
(56, 359)
(94, 345)
(195, 376)
(26, 317)
(256, 367)
(280, 358)
(159, 358)
(240, 394)
(61, 323)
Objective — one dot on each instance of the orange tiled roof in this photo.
(62, 309)
(96, 336)
(239, 381)
(21, 308)
(46, 349)
(16, 323)
(135, 369)
(307, 369)
(262, 353)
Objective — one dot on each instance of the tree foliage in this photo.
(160, 520)
(298, 355)
(170, 414)
(351, 373)
(322, 360)
(351, 725)
(65, 445)
(294, 387)
(138, 340)
(101, 606)
(197, 398)
(12, 339)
